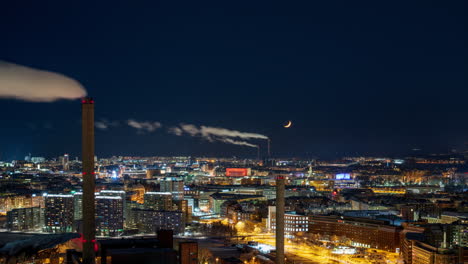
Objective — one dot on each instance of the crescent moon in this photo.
(289, 124)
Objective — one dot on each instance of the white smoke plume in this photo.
(212, 134)
(192, 130)
(176, 131)
(223, 132)
(145, 126)
(217, 134)
(28, 84)
(209, 132)
(237, 142)
(105, 124)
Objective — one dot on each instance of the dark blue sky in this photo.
(366, 77)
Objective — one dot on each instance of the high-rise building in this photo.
(117, 193)
(59, 213)
(174, 186)
(78, 206)
(158, 201)
(109, 215)
(109, 211)
(25, 219)
(65, 162)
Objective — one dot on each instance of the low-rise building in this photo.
(361, 231)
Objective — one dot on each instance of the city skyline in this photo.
(355, 78)
(233, 132)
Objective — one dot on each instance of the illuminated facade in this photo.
(292, 222)
(59, 213)
(150, 221)
(25, 219)
(362, 232)
(423, 253)
(158, 201)
(78, 205)
(174, 186)
(109, 215)
(9, 203)
(238, 172)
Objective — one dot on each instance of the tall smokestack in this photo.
(279, 220)
(268, 150)
(87, 132)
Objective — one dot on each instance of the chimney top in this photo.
(87, 100)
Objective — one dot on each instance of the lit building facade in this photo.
(292, 222)
(59, 213)
(174, 186)
(25, 219)
(150, 221)
(158, 201)
(423, 253)
(109, 215)
(362, 232)
(78, 205)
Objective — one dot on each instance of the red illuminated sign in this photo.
(237, 172)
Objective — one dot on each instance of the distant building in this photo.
(361, 231)
(158, 201)
(174, 186)
(182, 206)
(217, 200)
(423, 253)
(65, 162)
(8, 203)
(59, 213)
(150, 221)
(78, 206)
(459, 234)
(292, 222)
(25, 219)
(238, 172)
(38, 159)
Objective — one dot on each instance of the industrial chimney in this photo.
(87, 132)
(279, 220)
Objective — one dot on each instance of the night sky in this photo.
(355, 77)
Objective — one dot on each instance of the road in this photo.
(307, 253)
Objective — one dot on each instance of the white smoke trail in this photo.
(145, 126)
(217, 134)
(212, 134)
(208, 132)
(223, 132)
(237, 142)
(28, 84)
(192, 130)
(176, 131)
(104, 124)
